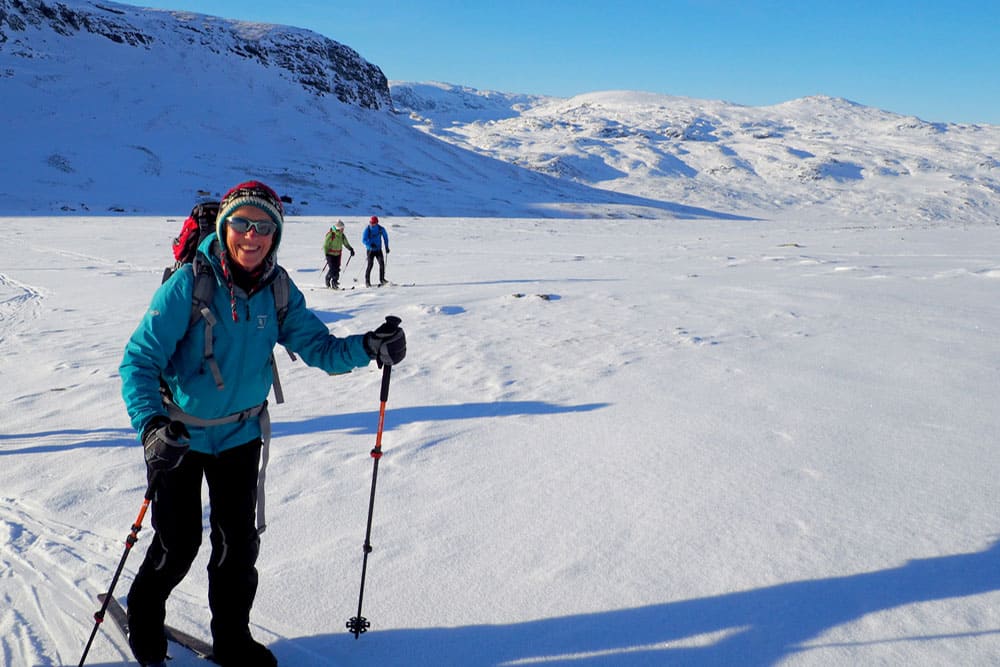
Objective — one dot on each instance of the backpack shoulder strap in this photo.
(201, 308)
(281, 291)
(204, 287)
(201, 302)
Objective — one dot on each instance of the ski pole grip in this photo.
(393, 321)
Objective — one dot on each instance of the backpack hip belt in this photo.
(177, 414)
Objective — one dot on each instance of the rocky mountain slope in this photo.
(319, 64)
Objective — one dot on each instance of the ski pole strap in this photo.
(264, 419)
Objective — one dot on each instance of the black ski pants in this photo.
(177, 521)
(332, 270)
(374, 255)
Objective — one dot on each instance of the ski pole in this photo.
(359, 624)
(129, 542)
(361, 269)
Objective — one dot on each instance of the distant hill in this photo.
(111, 108)
(816, 153)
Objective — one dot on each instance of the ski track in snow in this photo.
(47, 563)
(50, 569)
(113, 267)
(18, 301)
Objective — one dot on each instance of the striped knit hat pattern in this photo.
(251, 193)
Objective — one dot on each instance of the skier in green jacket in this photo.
(333, 246)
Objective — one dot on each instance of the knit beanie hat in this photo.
(251, 193)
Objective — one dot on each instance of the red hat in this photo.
(374, 220)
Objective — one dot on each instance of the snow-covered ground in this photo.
(654, 442)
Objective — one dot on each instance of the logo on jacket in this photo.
(262, 321)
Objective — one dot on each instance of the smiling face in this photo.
(249, 249)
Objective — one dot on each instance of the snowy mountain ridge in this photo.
(817, 150)
(111, 108)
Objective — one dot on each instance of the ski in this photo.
(196, 645)
(117, 613)
(199, 647)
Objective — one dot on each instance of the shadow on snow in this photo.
(362, 423)
(750, 628)
(78, 438)
(366, 422)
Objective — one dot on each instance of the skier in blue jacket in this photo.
(372, 238)
(210, 419)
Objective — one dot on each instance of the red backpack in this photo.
(198, 225)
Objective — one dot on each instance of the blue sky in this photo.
(937, 60)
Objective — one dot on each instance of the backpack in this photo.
(199, 224)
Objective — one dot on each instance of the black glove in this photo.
(165, 442)
(387, 344)
(352, 252)
(387, 250)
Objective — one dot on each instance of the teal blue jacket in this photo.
(163, 345)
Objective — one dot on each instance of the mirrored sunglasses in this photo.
(243, 225)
